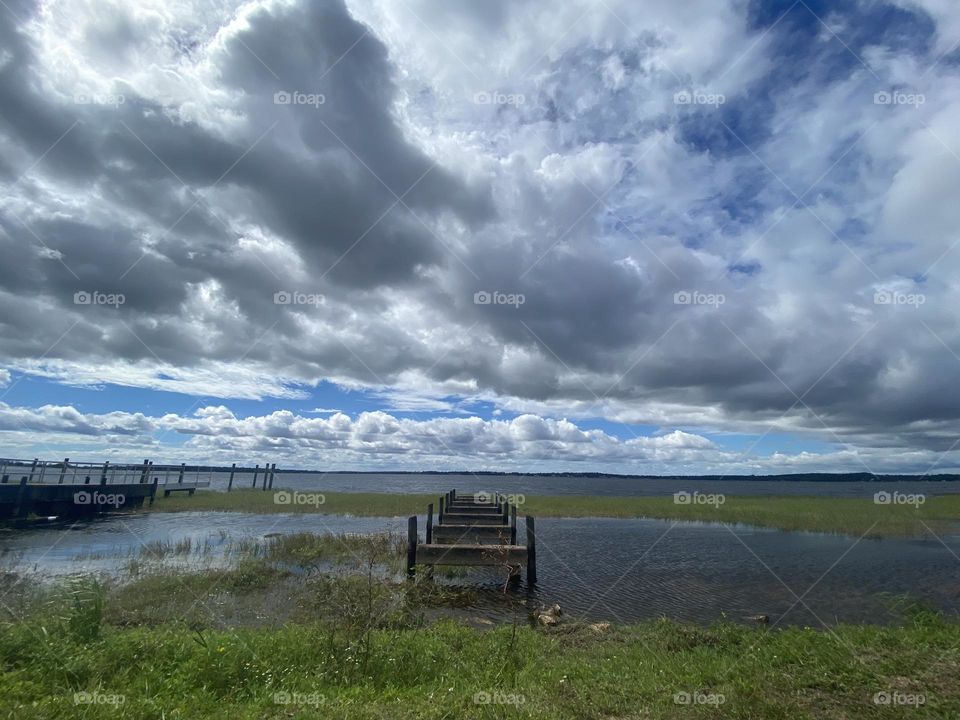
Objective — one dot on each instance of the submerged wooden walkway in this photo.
(473, 529)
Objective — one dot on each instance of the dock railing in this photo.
(65, 472)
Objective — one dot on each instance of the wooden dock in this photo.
(66, 489)
(473, 529)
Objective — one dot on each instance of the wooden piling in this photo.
(33, 468)
(23, 495)
(153, 490)
(233, 469)
(145, 474)
(429, 523)
(103, 474)
(273, 474)
(63, 470)
(531, 552)
(183, 467)
(440, 514)
(513, 524)
(411, 544)
(256, 471)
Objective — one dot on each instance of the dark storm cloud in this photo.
(598, 198)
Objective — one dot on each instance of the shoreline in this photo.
(861, 517)
(299, 626)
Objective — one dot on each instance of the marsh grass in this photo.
(852, 516)
(305, 614)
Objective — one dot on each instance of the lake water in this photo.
(619, 570)
(574, 485)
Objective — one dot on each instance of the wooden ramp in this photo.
(473, 529)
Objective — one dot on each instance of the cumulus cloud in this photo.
(718, 218)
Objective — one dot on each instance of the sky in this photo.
(712, 236)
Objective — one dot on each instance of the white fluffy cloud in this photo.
(523, 148)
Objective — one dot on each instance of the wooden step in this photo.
(471, 534)
(472, 554)
(472, 519)
(474, 509)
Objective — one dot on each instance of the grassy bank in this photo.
(854, 516)
(447, 670)
(308, 626)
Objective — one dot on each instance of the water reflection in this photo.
(597, 568)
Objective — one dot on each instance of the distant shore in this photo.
(852, 516)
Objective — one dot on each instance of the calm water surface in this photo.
(597, 568)
(575, 485)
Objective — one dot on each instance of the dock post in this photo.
(531, 552)
(233, 469)
(440, 513)
(63, 471)
(453, 494)
(153, 490)
(256, 470)
(513, 524)
(183, 467)
(33, 468)
(23, 507)
(506, 511)
(429, 523)
(273, 473)
(411, 544)
(145, 473)
(103, 474)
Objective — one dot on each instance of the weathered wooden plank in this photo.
(457, 507)
(471, 555)
(450, 518)
(471, 535)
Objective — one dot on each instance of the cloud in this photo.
(379, 440)
(713, 265)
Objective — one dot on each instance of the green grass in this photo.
(276, 635)
(437, 672)
(853, 516)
